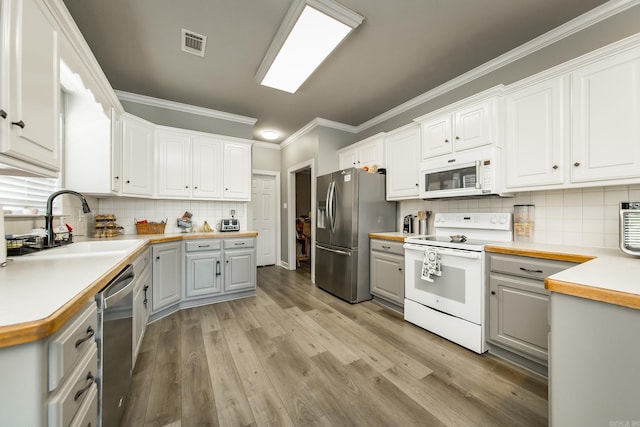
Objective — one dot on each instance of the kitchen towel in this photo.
(431, 265)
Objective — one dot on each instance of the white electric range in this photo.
(445, 283)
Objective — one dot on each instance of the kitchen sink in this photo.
(89, 248)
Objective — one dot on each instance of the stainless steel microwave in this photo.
(468, 173)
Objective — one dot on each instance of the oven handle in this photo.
(445, 251)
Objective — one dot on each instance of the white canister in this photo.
(3, 243)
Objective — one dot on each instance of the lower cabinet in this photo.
(167, 274)
(203, 264)
(51, 382)
(239, 264)
(141, 299)
(387, 272)
(518, 324)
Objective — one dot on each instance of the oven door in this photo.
(459, 291)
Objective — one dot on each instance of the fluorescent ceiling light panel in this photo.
(310, 32)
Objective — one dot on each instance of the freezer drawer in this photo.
(339, 271)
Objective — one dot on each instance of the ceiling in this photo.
(402, 49)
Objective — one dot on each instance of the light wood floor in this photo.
(297, 356)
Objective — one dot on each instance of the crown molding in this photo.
(185, 108)
(269, 145)
(583, 21)
(315, 123)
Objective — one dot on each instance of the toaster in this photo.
(630, 227)
(229, 224)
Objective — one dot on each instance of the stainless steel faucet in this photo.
(48, 218)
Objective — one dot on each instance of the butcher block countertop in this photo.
(38, 294)
(396, 236)
(605, 275)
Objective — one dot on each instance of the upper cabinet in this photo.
(137, 156)
(201, 166)
(402, 155)
(535, 133)
(470, 123)
(368, 152)
(29, 83)
(605, 129)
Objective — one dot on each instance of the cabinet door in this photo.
(348, 159)
(535, 135)
(204, 274)
(239, 270)
(140, 310)
(174, 164)
(436, 137)
(474, 125)
(137, 152)
(605, 126)
(116, 152)
(167, 275)
(207, 168)
(237, 171)
(30, 84)
(371, 154)
(402, 157)
(518, 310)
(387, 276)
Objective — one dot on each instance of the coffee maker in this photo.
(407, 226)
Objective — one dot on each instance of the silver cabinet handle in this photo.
(386, 248)
(239, 244)
(528, 270)
(80, 392)
(218, 268)
(203, 246)
(90, 333)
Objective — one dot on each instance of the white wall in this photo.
(127, 210)
(576, 217)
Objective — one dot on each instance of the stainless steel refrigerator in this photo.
(351, 204)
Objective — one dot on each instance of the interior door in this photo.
(263, 206)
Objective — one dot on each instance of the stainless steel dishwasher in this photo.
(115, 344)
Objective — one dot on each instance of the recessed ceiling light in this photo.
(270, 135)
(309, 33)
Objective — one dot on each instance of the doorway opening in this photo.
(301, 196)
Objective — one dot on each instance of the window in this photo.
(23, 195)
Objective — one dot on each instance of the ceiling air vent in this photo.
(193, 42)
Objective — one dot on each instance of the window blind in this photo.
(22, 194)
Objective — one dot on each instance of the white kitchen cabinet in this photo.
(174, 163)
(166, 275)
(402, 155)
(207, 162)
(202, 166)
(368, 152)
(236, 171)
(137, 156)
(535, 134)
(605, 131)
(239, 264)
(116, 152)
(203, 264)
(470, 123)
(30, 88)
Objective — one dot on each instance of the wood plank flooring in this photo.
(295, 355)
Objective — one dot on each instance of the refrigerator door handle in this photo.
(335, 251)
(333, 206)
(330, 194)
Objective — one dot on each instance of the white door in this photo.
(263, 208)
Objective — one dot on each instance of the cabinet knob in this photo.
(417, 185)
(399, 268)
(128, 182)
(555, 167)
(186, 186)
(3, 114)
(226, 189)
(493, 292)
(157, 258)
(20, 124)
(457, 137)
(196, 187)
(576, 164)
(446, 140)
(116, 177)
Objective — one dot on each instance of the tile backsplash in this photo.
(576, 217)
(127, 210)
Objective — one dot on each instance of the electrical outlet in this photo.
(233, 213)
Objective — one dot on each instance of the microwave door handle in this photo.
(478, 177)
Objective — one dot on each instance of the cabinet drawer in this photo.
(238, 243)
(534, 268)
(202, 245)
(69, 343)
(66, 402)
(87, 415)
(387, 246)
